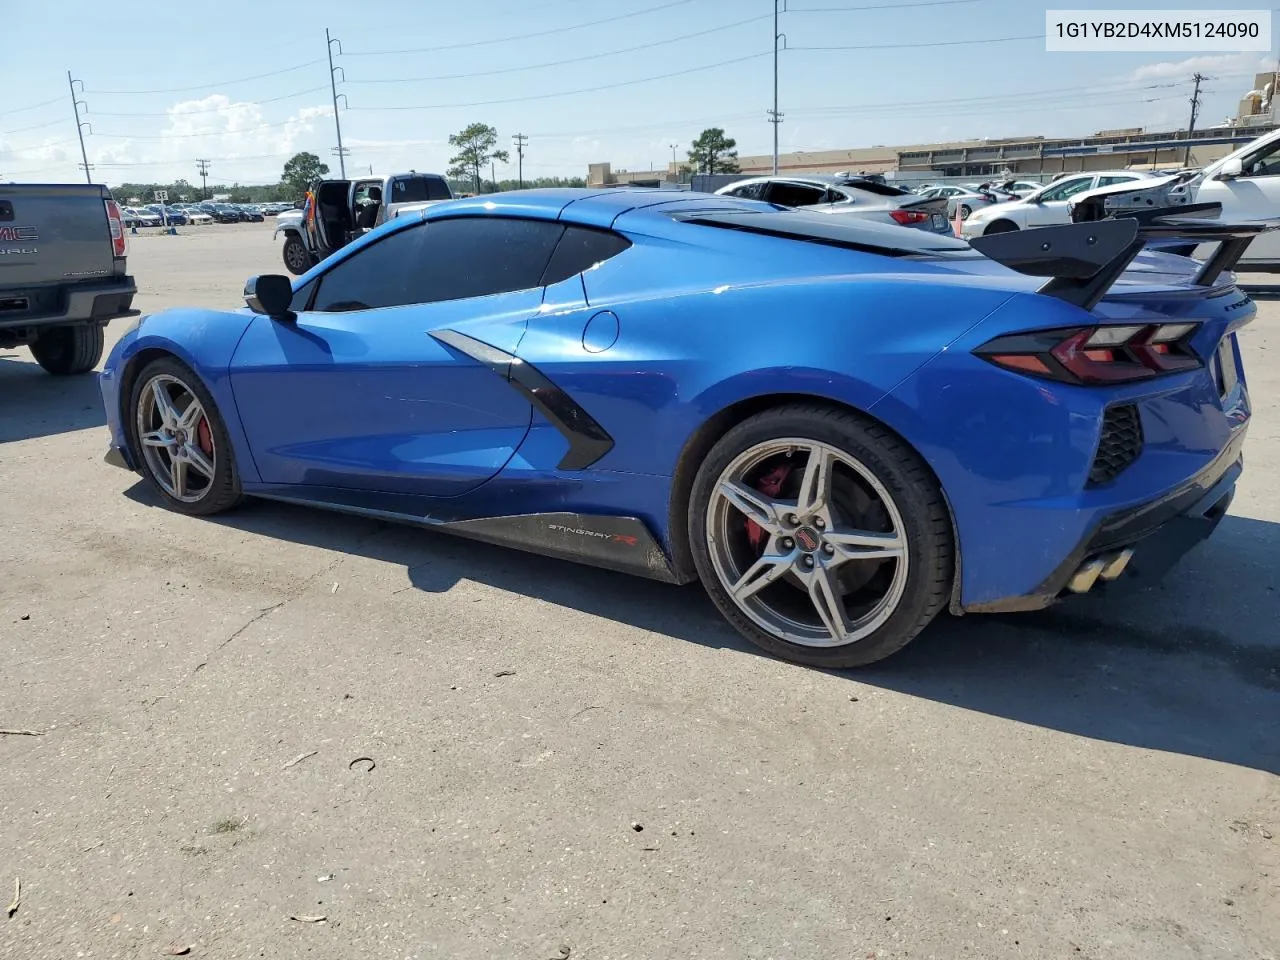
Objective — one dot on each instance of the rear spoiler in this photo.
(1084, 260)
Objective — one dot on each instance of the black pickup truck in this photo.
(62, 272)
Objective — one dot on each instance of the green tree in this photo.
(713, 152)
(475, 149)
(299, 172)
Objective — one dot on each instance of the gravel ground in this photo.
(574, 763)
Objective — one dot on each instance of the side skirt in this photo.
(624, 544)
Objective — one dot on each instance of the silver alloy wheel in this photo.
(169, 421)
(814, 547)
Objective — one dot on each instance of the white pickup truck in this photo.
(1246, 184)
(342, 210)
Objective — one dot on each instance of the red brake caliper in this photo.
(204, 437)
(770, 485)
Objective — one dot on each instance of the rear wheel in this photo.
(64, 351)
(820, 536)
(1001, 226)
(965, 210)
(181, 441)
(297, 259)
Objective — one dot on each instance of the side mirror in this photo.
(270, 294)
(1231, 169)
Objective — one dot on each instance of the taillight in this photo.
(1093, 355)
(119, 244)
(908, 217)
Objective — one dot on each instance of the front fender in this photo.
(204, 340)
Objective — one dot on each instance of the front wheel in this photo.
(65, 351)
(181, 441)
(820, 536)
(297, 259)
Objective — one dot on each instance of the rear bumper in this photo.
(1138, 546)
(82, 303)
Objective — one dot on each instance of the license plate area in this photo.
(939, 222)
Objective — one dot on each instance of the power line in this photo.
(34, 106)
(38, 126)
(523, 36)
(230, 105)
(912, 46)
(215, 83)
(567, 93)
(880, 6)
(560, 63)
(211, 133)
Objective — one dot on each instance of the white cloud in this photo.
(1228, 63)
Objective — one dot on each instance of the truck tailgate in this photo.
(53, 234)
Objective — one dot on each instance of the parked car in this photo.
(1047, 206)
(63, 254)
(133, 217)
(961, 201)
(252, 213)
(852, 196)
(1245, 184)
(840, 427)
(340, 211)
(226, 213)
(196, 215)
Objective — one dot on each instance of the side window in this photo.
(835, 196)
(380, 275)
(1264, 163)
(794, 194)
(581, 248)
(1067, 188)
(418, 189)
(1108, 181)
(442, 260)
(302, 296)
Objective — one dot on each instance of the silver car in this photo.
(852, 196)
(962, 200)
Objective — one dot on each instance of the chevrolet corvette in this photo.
(840, 428)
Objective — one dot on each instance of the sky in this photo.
(246, 84)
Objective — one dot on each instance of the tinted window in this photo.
(442, 260)
(794, 194)
(380, 275)
(418, 189)
(302, 296)
(751, 191)
(581, 248)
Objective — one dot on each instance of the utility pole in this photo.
(80, 125)
(333, 88)
(203, 165)
(1191, 125)
(774, 116)
(520, 140)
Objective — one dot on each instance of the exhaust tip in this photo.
(1106, 567)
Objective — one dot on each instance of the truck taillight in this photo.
(119, 243)
(1093, 355)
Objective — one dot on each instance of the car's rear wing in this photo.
(1084, 260)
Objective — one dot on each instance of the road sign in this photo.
(162, 196)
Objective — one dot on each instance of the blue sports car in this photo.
(840, 428)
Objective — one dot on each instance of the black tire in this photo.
(223, 491)
(297, 259)
(926, 523)
(65, 351)
(965, 210)
(1000, 226)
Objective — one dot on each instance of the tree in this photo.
(713, 152)
(300, 171)
(475, 149)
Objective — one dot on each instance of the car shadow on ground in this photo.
(1189, 667)
(35, 404)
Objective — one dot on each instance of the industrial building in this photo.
(1038, 158)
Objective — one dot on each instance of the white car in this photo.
(1046, 207)
(196, 215)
